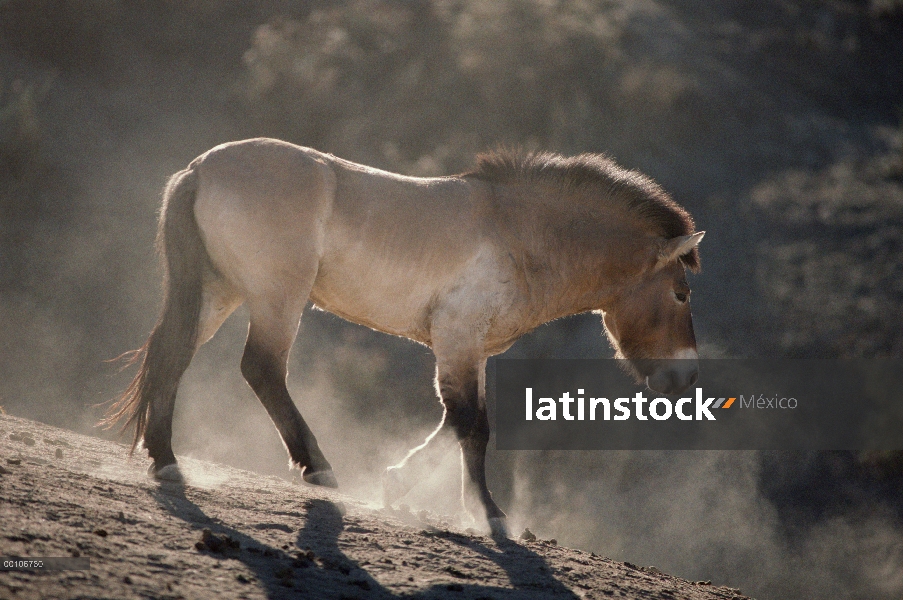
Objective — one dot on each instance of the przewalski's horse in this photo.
(464, 264)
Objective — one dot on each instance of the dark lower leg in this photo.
(473, 453)
(158, 433)
(265, 373)
(467, 416)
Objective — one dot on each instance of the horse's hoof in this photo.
(393, 486)
(498, 526)
(324, 478)
(169, 473)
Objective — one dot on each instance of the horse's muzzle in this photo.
(673, 376)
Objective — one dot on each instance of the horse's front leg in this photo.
(461, 386)
(461, 392)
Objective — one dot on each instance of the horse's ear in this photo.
(678, 246)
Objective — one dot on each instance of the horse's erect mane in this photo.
(640, 194)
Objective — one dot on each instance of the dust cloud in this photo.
(702, 515)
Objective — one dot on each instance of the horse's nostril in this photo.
(694, 377)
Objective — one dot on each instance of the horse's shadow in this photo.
(267, 563)
(318, 568)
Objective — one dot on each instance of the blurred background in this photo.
(777, 123)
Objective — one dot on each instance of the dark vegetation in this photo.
(778, 124)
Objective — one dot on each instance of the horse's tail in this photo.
(171, 345)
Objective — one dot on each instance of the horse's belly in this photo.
(377, 300)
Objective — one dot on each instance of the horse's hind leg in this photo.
(158, 435)
(218, 303)
(264, 365)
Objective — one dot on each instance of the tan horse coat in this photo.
(464, 264)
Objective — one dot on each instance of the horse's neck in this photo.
(600, 272)
(578, 260)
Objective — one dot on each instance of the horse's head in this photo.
(649, 323)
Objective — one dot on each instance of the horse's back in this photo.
(394, 245)
(378, 247)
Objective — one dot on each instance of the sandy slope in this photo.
(64, 494)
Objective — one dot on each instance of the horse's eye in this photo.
(681, 297)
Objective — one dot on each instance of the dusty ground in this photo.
(65, 494)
